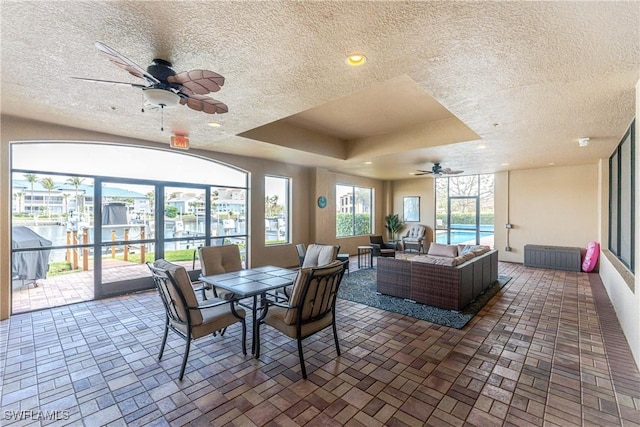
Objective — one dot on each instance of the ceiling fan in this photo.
(437, 171)
(164, 88)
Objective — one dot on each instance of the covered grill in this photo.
(29, 265)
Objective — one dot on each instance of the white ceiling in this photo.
(524, 80)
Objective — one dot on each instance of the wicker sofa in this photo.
(445, 281)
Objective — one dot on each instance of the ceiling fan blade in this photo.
(125, 63)
(204, 104)
(109, 82)
(199, 82)
(421, 172)
(450, 172)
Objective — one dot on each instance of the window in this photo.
(276, 210)
(353, 210)
(622, 199)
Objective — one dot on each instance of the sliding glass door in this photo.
(465, 210)
(87, 217)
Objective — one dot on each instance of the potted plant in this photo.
(393, 225)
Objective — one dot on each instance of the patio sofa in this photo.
(448, 276)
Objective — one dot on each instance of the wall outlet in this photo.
(507, 248)
(508, 226)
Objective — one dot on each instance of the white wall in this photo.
(556, 206)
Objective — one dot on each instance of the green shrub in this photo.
(345, 224)
(171, 211)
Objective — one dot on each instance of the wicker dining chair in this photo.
(310, 309)
(184, 315)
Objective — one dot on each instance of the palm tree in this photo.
(65, 197)
(32, 178)
(49, 185)
(19, 201)
(76, 182)
(271, 205)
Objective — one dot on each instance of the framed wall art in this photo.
(412, 209)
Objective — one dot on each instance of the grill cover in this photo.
(29, 265)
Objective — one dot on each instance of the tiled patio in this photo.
(547, 350)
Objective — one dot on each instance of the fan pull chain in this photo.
(161, 118)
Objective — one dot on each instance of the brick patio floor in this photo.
(546, 350)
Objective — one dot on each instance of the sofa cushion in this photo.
(475, 249)
(465, 257)
(437, 260)
(438, 249)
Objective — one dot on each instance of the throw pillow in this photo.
(438, 249)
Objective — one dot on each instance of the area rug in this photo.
(360, 286)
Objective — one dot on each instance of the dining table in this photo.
(253, 283)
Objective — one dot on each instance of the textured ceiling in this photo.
(473, 85)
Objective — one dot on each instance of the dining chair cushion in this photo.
(220, 259)
(319, 255)
(213, 319)
(181, 277)
(277, 318)
(310, 307)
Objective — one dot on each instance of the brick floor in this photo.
(546, 350)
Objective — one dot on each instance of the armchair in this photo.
(414, 238)
(380, 248)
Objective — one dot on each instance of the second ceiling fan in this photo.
(437, 171)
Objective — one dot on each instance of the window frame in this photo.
(621, 191)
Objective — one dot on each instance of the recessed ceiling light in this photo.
(215, 124)
(355, 59)
(368, 163)
(551, 163)
(505, 164)
(481, 147)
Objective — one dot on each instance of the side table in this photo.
(365, 257)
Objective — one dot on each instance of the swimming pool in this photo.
(461, 236)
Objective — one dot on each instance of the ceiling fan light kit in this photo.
(161, 97)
